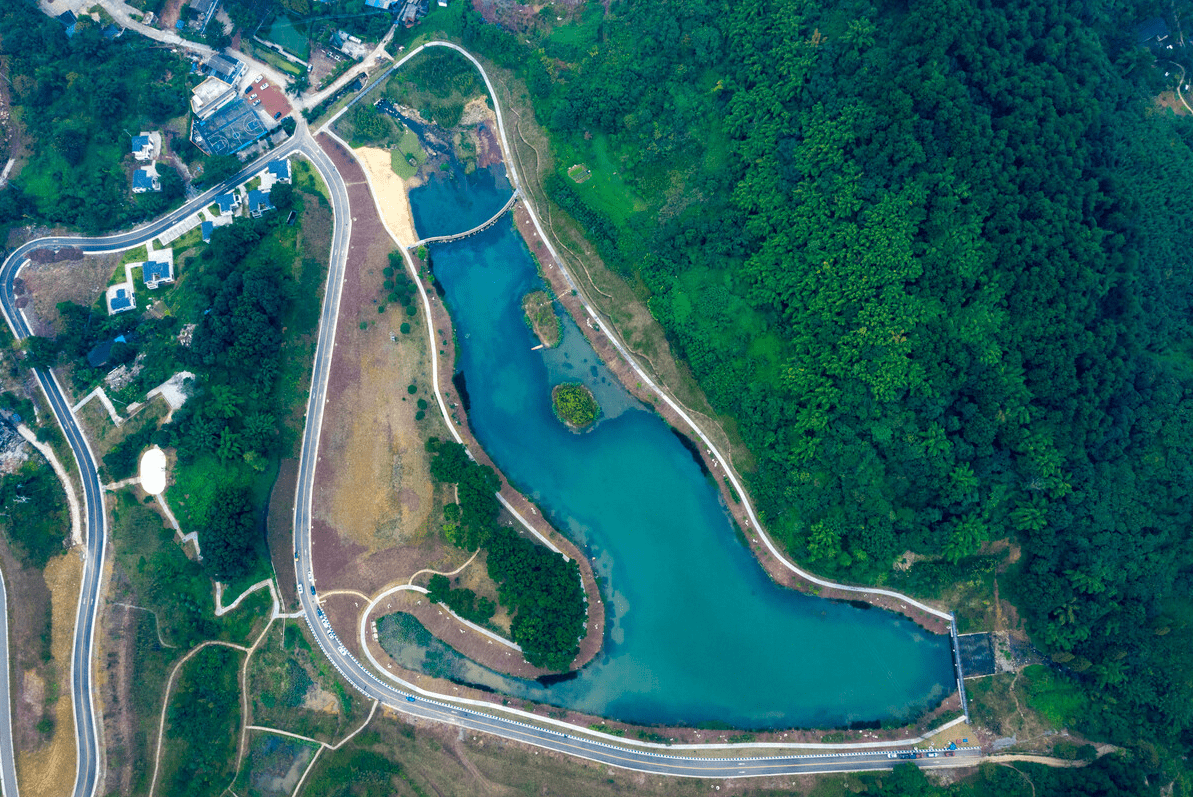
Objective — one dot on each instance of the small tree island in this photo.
(575, 405)
(540, 315)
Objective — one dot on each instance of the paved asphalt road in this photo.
(90, 763)
(410, 700)
(8, 774)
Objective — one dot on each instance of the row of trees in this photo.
(460, 600)
(543, 593)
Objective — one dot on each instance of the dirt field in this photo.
(368, 543)
(391, 193)
(29, 610)
(279, 528)
(80, 281)
(49, 770)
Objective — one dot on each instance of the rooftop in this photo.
(155, 272)
(145, 179)
(227, 202)
(206, 96)
(280, 169)
(120, 298)
(258, 202)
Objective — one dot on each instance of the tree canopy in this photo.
(928, 257)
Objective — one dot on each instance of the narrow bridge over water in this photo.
(439, 239)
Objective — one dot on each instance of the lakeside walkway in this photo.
(442, 239)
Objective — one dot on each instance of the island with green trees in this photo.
(540, 316)
(575, 405)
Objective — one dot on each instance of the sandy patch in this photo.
(319, 699)
(49, 770)
(477, 110)
(390, 191)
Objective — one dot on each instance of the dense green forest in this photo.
(77, 102)
(928, 256)
(542, 592)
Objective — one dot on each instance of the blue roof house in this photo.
(159, 269)
(280, 169)
(142, 147)
(228, 203)
(120, 298)
(145, 179)
(258, 203)
(207, 228)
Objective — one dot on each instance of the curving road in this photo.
(680, 760)
(89, 772)
(685, 760)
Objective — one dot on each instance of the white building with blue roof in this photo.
(258, 203)
(147, 146)
(228, 203)
(120, 298)
(158, 269)
(145, 179)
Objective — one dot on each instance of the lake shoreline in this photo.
(612, 359)
(441, 322)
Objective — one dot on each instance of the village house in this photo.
(145, 179)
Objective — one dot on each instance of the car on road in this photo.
(409, 698)
(892, 755)
(933, 755)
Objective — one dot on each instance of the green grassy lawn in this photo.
(308, 180)
(1058, 700)
(570, 41)
(407, 148)
(291, 36)
(273, 59)
(604, 190)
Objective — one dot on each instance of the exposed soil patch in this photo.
(279, 527)
(169, 15)
(80, 281)
(28, 620)
(48, 770)
(391, 193)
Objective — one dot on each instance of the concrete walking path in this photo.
(72, 498)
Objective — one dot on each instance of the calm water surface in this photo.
(697, 632)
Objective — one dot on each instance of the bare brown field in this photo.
(48, 770)
(29, 674)
(279, 528)
(368, 534)
(79, 281)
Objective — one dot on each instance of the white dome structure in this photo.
(153, 471)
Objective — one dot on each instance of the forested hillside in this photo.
(76, 100)
(932, 257)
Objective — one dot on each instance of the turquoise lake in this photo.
(696, 631)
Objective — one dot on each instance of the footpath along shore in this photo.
(519, 508)
(597, 336)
